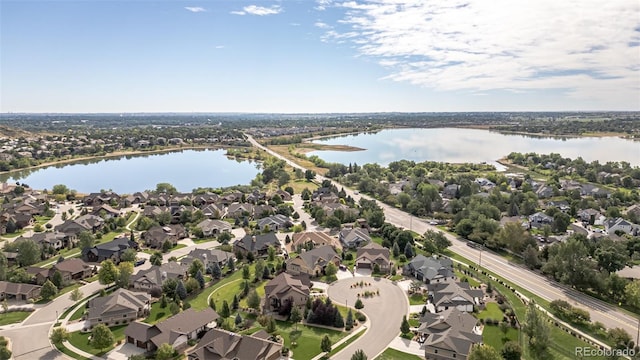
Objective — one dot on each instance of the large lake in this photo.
(470, 145)
(186, 170)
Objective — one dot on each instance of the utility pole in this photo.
(480, 258)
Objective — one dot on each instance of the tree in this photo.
(325, 344)
(632, 294)
(156, 258)
(56, 279)
(200, 278)
(235, 304)
(129, 255)
(349, 322)
(86, 240)
(167, 246)
(511, 351)
(395, 249)
(405, 328)
(216, 272)
(181, 290)
(4, 266)
(271, 251)
(359, 305)
(309, 175)
(438, 239)
(125, 270)
(174, 308)
(48, 290)
(408, 250)
(483, 352)
(212, 304)
(246, 273)
(238, 319)
(338, 321)
(231, 264)
(59, 335)
(225, 311)
(76, 295)
(531, 259)
(166, 188)
(331, 269)
(195, 266)
(164, 352)
(101, 337)
(108, 272)
(5, 353)
(28, 252)
(295, 316)
(253, 300)
(359, 355)
(192, 285)
(537, 331)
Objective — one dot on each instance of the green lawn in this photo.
(81, 340)
(65, 253)
(417, 299)
(473, 282)
(308, 344)
(391, 354)
(200, 241)
(492, 336)
(157, 313)
(492, 311)
(337, 349)
(201, 300)
(77, 315)
(13, 317)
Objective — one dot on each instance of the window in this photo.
(124, 316)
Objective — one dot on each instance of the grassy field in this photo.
(337, 349)
(492, 311)
(391, 354)
(417, 299)
(81, 340)
(201, 300)
(157, 313)
(492, 336)
(77, 315)
(13, 317)
(308, 344)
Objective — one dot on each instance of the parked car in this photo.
(139, 262)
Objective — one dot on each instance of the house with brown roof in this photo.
(313, 262)
(313, 239)
(448, 335)
(257, 244)
(211, 227)
(286, 288)
(208, 257)
(71, 270)
(175, 331)
(156, 236)
(19, 291)
(218, 344)
(371, 254)
(120, 307)
(458, 295)
(354, 237)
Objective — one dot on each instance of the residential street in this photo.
(385, 313)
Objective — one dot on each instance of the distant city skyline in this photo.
(321, 56)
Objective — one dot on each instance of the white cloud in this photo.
(588, 49)
(323, 4)
(219, 46)
(195, 9)
(322, 25)
(259, 10)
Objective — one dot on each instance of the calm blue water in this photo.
(185, 170)
(471, 145)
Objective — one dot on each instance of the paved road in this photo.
(31, 338)
(385, 313)
(548, 289)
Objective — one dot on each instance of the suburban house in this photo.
(373, 254)
(105, 210)
(239, 210)
(618, 224)
(175, 331)
(451, 294)
(257, 244)
(286, 288)
(312, 239)
(218, 344)
(353, 238)
(109, 250)
(157, 235)
(539, 220)
(430, 269)
(19, 291)
(120, 307)
(449, 334)
(275, 222)
(450, 191)
(213, 227)
(70, 269)
(312, 262)
(213, 211)
(208, 257)
(591, 217)
(55, 239)
(154, 277)
(90, 222)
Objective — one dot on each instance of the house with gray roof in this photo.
(430, 269)
(257, 244)
(154, 277)
(211, 227)
(275, 222)
(286, 288)
(452, 294)
(355, 237)
(208, 257)
(218, 344)
(175, 331)
(312, 239)
(539, 220)
(448, 335)
(371, 255)
(313, 262)
(620, 224)
(19, 291)
(109, 250)
(120, 307)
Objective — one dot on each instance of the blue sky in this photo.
(319, 56)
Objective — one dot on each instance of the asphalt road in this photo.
(547, 289)
(384, 312)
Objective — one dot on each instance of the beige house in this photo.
(219, 344)
(371, 255)
(313, 262)
(286, 288)
(121, 307)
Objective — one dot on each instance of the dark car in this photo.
(139, 262)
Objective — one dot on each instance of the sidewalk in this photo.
(407, 346)
(362, 327)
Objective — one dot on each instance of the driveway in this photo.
(384, 312)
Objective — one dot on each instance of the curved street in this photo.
(547, 289)
(384, 312)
